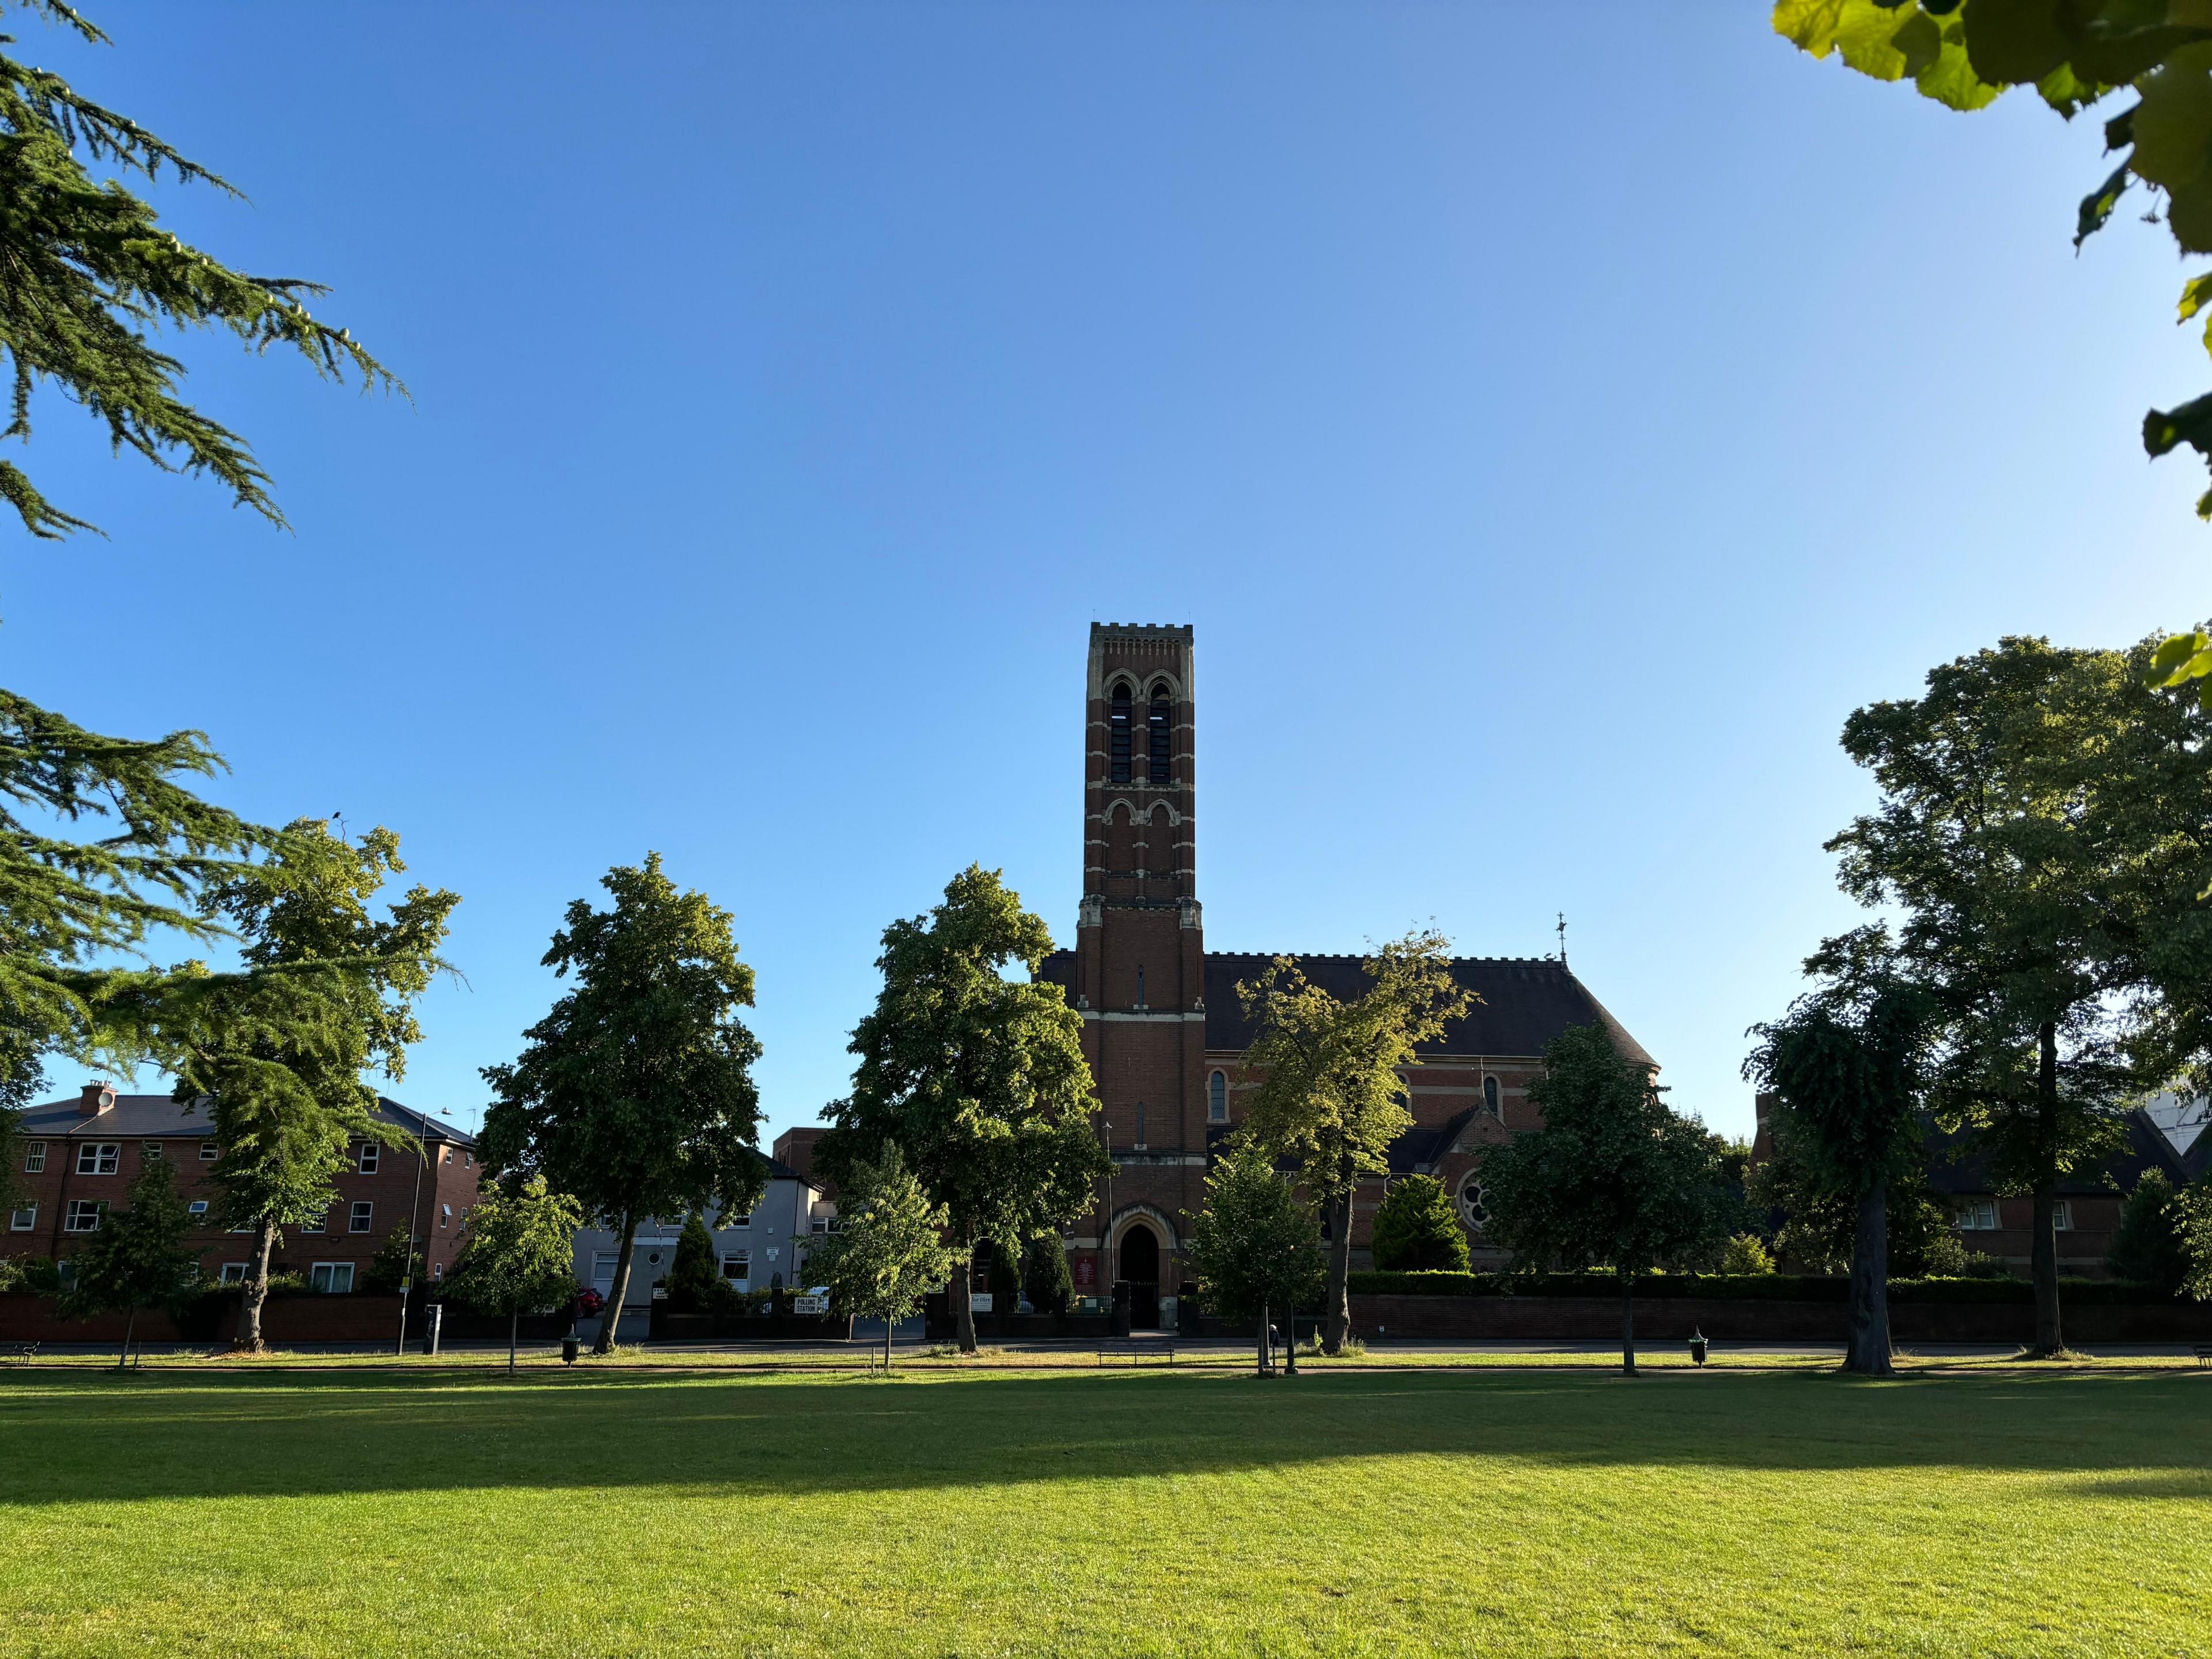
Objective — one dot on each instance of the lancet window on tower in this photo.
(1158, 727)
(1118, 724)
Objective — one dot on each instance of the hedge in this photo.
(1750, 1287)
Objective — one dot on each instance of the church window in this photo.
(1157, 730)
(1490, 1101)
(1217, 1098)
(1141, 1126)
(1119, 734)
(1470, 1205)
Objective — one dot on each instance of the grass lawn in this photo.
(1501, 1511)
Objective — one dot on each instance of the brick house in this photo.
(77, 1158)
(2163, 1134)
(1161, 1024)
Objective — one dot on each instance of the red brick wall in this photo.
(448, 1183)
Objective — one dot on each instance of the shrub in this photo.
(391, 1265)
(694, 1272)
(1046, 1279)
(1974, 1265)
(1415, 1231)
(30, 1275)
(1746, 1254)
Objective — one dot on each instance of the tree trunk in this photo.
(2043, 1249)
(1628, 1324)
(1290, 1338)
(255, 1290)
(514, 1325)
(1870, 1351)
(964, 1305)
(619, 1288)
(1336, 1316)
(130, 1324)
(1265, 1346)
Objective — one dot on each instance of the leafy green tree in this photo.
(519, 1252)
(2043, 828)
(1847, 1066)
(1819, 1230)
(137, 1258)
(2074, 54)
(696, 1270)
(2165, 1235)
(1046, 1279)
(1415, 1231)
(1612, 1180)
(279, 1051)
(1254, 1246)
(397, 1262)
(889, 1251)
(1329, 1092)
(979, 1080)
(636, 1092)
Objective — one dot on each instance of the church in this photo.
(1162, 1026)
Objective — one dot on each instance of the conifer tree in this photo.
(1415, 1231)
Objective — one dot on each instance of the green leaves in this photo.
(2183, 657)
(1924, 43)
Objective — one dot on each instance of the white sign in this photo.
(809, 1305)
(980, 1303)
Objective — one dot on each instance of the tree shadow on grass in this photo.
(155, 1437)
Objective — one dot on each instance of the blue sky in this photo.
(1554, 420)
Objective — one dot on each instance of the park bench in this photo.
(18, 1353)
(2204, 1353)
(1136, 1350)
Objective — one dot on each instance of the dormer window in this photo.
(1118, 731)
(1158, 730)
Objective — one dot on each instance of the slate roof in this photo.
(1954, 1166)
(159, 1117)
(1526, 1001)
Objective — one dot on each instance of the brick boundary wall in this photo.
(1597, 1319)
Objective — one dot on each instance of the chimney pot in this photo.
(97, 1097)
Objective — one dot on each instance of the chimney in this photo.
(95, 1098)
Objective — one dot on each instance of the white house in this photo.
(759, 1250)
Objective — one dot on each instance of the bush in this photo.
(1749, 1287)
(391, 1265)
(1746, 1254)
(694, 1275)
(1415, 1231)
(1046, 1279)
(1974, 1265)
(30, 1275)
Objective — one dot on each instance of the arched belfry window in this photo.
(1217, 1098)
(1158, 727)
(1120, 734)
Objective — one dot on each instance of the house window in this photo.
(234, 1273)
(437, 1271)
(445, 1215)
(1472, 1206)
(445, 1155)
(314, 1224)
(362, 1210)
(1217, 1098)
(745, 1220)
(99, 1156)
(1156, 732)
(330, 1279)
(1978, 1215)
(1491, 1102)
(2062, 1215)
(738, 1267)
(149, 1149)
(210, 1151)
(83, 1216)
(468, 1160)
(21, 1221)
(371, 1156)
(34, 1157)
(197, 1206)
(1118, 733)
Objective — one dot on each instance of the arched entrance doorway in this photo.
(1140, 1265)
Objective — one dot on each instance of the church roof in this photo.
(1526, 1001)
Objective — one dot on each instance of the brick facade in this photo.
(87, 1151)
(1160, 1014)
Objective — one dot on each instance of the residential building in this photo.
(758, 1249)
(76, 1159)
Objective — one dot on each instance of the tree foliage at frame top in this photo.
(87, 277)
(1964, 53)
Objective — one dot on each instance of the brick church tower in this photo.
(1137, 975)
